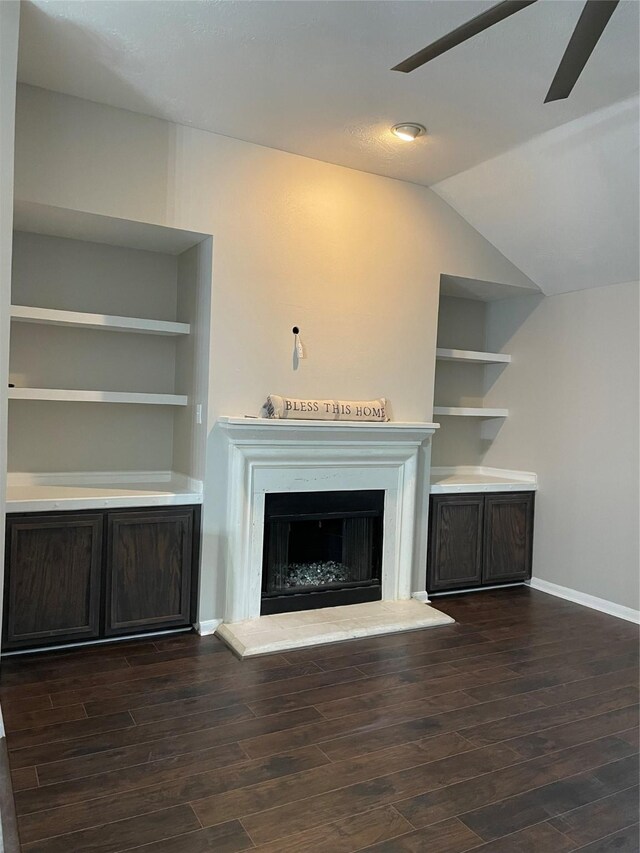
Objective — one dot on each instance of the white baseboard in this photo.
(591, 601)
(209, 626)
(422, 596)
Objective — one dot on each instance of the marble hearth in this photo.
(286, 631)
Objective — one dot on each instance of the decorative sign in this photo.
(325, 410)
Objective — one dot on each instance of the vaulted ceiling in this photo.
(314, 78)
(563, 207)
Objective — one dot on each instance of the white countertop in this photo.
(99, 490)
(110, 490)
(479, 479)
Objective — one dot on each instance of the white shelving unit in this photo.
(468, 381)
(81, 396)
(101, 274)
(465, 372)
(463, 355)
(56, 317)
(470, 412)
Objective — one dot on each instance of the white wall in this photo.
(572, 392)
(352, 258)
(9, 27)
(192, 359)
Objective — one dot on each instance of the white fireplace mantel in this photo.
(297, 455)
(289, 429)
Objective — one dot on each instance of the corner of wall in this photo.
(9, 33)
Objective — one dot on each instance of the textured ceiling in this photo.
(313, 77)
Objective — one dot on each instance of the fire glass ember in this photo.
(314, 574)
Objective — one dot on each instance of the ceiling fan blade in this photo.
(594, 18)
(466, 31)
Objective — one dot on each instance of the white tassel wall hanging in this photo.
(298, 348)
(298, 342)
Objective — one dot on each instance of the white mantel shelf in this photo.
(287, 429)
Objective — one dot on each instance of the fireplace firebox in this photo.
(321, 549)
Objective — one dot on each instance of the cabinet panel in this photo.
(455, 547)
(52, 588)
(149, 568)
(508, 536)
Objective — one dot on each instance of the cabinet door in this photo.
(52, 583)
(508, 536)
(149, 567)
(455, 541)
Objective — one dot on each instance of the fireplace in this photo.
(268, 457)
(321, 549)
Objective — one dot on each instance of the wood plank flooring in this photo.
(514, 730)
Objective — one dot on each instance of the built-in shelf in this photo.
(29, 492)
(74, 396)
(464, 411)
(483, 291)
(91, 397)
(55, 317)
(443, 354)
(95, 228)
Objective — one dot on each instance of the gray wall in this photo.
(53, 272)
(75, 275)
(572, 392)
(461, 325)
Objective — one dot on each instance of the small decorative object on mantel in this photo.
(325, 410)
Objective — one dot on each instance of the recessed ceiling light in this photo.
(408, 131)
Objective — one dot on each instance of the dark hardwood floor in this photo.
(514, 730)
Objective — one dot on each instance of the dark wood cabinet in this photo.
(456, 541)
(52, 586)
(508, 536)
(148, 569)
(87, 575)
(479, 539)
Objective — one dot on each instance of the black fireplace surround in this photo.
(321, 549)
